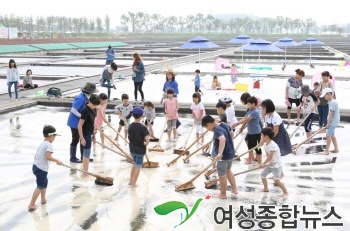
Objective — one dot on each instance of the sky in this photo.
(323, 12)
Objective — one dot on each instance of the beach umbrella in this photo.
(318, 77)
(221, 63)
(285, 42)
(310, 42)
(241, 39)
(198, 43)
(259, 45)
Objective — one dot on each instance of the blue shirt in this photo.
(110, 54)
(333, 106)
(224, 130)
(197, 81)
(171, 84)
(79, 104)
(254, 124)
(140, 73)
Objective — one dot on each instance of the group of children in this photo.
(93, 116)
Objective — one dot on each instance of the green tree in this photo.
(124, 20)
(209, 19)
(107, 23)
(99, 24)
(216, 24)
(309, 24)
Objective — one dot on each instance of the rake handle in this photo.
(237, 157)
(189, 156)
(295, 150)
(185, 150)
(189, 135)
(121, 154)
(83, 171)
(210, 182)
(161, 136)
(119, 134)
(290, 137)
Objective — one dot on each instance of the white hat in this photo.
(226, 99)
(325, 91)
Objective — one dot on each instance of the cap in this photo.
(325, 91)
(305, 89)
(138, 112)
(226, 99)
(49, 131)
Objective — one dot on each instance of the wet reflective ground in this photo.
(77, 203)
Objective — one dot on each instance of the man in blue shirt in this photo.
(223, 147)
(74, 117)
(197, 82)
(110, 55)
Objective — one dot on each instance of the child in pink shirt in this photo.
(171, 107)
(198, 112)
(101, 116)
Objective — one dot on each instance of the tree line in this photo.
(141, 22)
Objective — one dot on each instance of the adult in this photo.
(74, 116)
(170, 82)
(323, 108)
(138, 76)
(274, 121)
(27, 80)
(293, 86)
(12, 77)
(110, 55)
(107, 78)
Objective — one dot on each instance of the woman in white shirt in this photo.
(12, 78)
(274, 121)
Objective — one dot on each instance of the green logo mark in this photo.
(171, 206)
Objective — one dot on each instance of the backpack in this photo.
(54, 91)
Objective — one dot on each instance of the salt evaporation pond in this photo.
(77, 203)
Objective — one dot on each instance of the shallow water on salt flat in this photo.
(77, 203)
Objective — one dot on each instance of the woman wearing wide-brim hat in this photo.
(170, 82)
(74, 117)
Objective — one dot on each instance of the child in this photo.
(216, 85)
(332, 121)
(230, 110)
(125, 111)
(198, 112)
(41, 165)
(309, 103)
(150, 114)
(221, 110)
(171, 108)
(139, 139)
(254, 129)
(224, 151)
(315, 90)
(101, 116)
(197, 82)
(86, 128)
(273, 160)
(27, 80)
(234, 73)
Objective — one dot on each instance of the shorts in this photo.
(331, 130)
(41, 177)
(121, 123)
(291, 101)
(171, 124)
(276, 172)
(138, 159)
(222, 166)
(308, 122)
(146, 122)
(253, 140)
